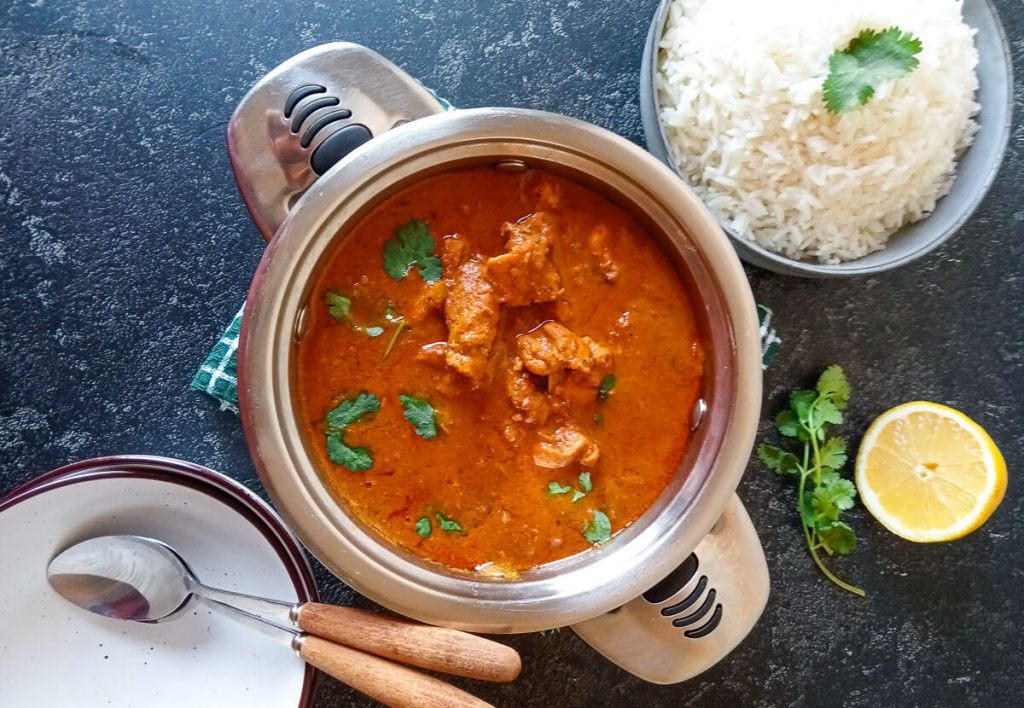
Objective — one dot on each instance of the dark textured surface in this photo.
(125, 249)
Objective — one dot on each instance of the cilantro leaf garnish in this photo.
(354, 459)
(822, 495)
(556, 488)
(351, 410)
(430, 268)
(421, 415)
(604, 390)
(584, 481)
(339, 418)
(412, 246)
(599, 530)
(446, 524)
(338, 306)
(585, 485)
(423, 527)
(871, 58)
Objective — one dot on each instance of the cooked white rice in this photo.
(739, 90)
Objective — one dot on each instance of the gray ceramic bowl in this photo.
(976, 169)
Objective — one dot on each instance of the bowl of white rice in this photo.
(732, 99)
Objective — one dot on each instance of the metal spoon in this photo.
(144, 580)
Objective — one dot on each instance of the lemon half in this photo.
(929, 473)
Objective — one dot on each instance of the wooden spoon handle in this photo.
(391, 684)
(436, 648)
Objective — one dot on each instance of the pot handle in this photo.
(697, 614)
(308, 114)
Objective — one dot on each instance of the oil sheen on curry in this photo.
(499, 369)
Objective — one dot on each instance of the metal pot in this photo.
(696, 539)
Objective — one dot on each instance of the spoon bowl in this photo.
(145, 580)
(124, 577)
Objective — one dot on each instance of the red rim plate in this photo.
(202, 479)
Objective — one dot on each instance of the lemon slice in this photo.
(929, 473)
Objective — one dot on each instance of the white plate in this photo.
(55, 654)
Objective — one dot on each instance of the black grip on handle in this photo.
(337, 145)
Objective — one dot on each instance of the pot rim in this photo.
(560, 593)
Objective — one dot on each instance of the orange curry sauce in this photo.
(505, 431)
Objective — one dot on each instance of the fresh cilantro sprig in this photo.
(421, 416)
(412, 246)
(339, 418)
(823, 495)
(871, 58)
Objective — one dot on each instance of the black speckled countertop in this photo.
(125, 249)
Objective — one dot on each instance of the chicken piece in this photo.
(433, 353)
(563, 447)
(471, 313)
(549, 195)
(525, 395)
(444, 380)
(513, 432)
(453, 253)
(598, 243)
(431, 299)
(526, 273)
(600, 354)
(427, 302)
(552, 348)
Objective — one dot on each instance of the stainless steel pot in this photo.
(696, 539)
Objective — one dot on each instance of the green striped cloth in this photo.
(218, 376)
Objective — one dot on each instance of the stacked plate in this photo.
(53, 653)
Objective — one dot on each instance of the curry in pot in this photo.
(498, 369)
